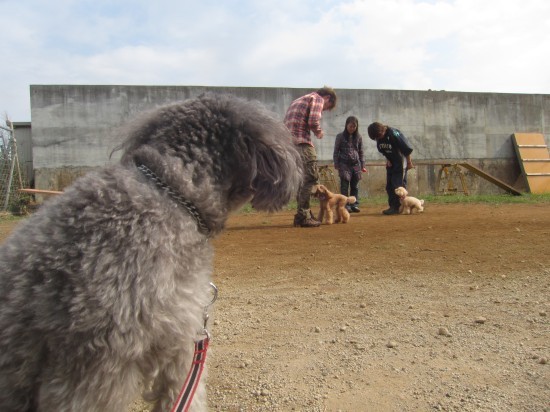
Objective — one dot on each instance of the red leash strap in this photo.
(193, 377)
(185, 398)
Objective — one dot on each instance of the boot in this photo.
(301, 221)
(298, 219)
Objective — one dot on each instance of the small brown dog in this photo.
(408, 203)
(328, 201)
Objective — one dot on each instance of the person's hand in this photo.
(410, 165)
(388, 163)
(364, 170)
(321, 134)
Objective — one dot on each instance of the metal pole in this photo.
(16, 156)
(9, 183)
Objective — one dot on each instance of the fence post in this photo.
(11, 154)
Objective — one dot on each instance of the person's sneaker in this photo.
(391, 211)
(354, 209)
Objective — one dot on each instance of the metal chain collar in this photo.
(189, 206)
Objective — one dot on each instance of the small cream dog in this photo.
(408, 203)
(328, 201)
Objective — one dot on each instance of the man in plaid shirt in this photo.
(302, 118)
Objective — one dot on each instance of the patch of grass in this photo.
(497, 199)
(491, 199)
(382, 199)
(9, 217)
(247, 209)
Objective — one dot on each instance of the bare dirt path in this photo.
(447, 310)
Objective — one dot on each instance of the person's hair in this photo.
(351, 119)
(376, 130)
(328, 91)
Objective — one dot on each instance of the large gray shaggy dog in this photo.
(102, 291)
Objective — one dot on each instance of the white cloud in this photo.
(145, 65)
(465, 45)
(504, 51)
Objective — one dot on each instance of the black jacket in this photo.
(394, 146)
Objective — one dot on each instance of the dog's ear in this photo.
(314, 190)
(274, 176)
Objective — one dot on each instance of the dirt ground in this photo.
(446, 310)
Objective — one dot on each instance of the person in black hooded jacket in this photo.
(397, 150)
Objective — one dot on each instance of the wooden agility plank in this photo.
(526, 153)
(534, 160)
(490, 178)
(529, 139)
(539, 184)
(539, 166)
(40, 192)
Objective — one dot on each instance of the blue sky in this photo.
(456, 45)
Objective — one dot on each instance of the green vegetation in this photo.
(381, 200)
(498, 199)
(8, 217)
(492, 199)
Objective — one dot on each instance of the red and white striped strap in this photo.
(193, 377)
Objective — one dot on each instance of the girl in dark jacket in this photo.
(349, 161)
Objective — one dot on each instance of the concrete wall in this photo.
(72, 127)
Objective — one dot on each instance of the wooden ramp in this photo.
(490, 178)
(534, 160)
(453, 172)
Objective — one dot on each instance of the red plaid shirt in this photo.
(304, 116)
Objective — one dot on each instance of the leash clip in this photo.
(205, 315)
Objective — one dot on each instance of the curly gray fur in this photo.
(102, 290)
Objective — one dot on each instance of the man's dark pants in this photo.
(395, 177)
